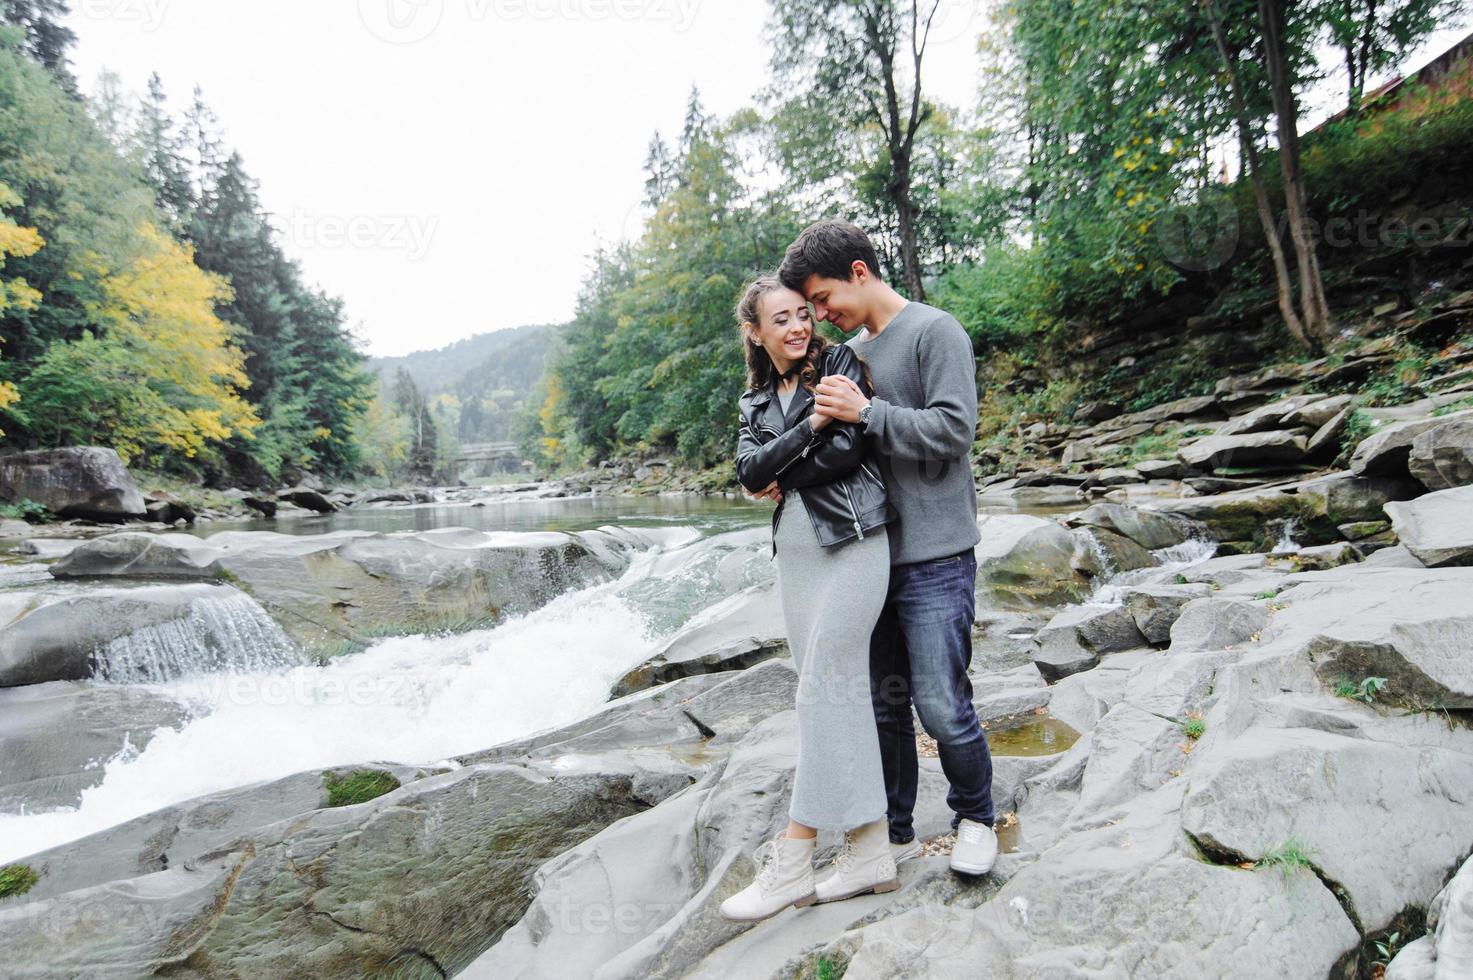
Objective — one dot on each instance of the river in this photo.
(422, 699)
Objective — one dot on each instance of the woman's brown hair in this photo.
(760, 370)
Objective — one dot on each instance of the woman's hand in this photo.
(769, 492)
(818, 421)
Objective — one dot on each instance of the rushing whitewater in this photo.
(415, 699)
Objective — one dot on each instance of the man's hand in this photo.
(838, 397)
(769, 492)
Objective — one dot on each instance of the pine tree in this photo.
(46, 39)
(160, 150)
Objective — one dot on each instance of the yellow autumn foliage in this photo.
(18, 242)
(161, 310)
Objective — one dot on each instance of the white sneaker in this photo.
(904, 852)
(864, 865)
(784, 877)
(975, 850)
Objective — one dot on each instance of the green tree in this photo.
(46, 38)
(858, 85)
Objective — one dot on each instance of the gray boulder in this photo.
(1248, 449)
(737, 632)
(1214, 623)
(325, 588)
(144, 633)
(1080, 908)
(1325, 443)
(1317, 413)
(1276, 415)
(1147, 528)
(1415, 633)
(1156, 607)
(1026, 562)
(308, 498)
(423, 878)
(1161, 469)
(1234, 809)
(75, 481)
(1389, 449)
(1436, 528)
(54, 737)
(1075, 639)
(1442, 457)
(1446, 952)
(1104, 554)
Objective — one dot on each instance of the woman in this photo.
(833, 569)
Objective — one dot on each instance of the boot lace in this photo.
(767, 865)
(844, 861)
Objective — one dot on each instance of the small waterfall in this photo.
(1110, 589)
(230, 632)
(1285, 544)
(1107, 567)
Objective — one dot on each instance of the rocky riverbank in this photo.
(1230, 692)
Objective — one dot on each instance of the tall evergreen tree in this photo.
(47, 39)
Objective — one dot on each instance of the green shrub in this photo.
(25, 509)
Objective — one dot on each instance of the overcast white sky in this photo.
(447, 166)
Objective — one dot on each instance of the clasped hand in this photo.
(837, 397)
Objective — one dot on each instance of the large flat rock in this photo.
(1247, 449)
(1436, 528)
(339, 585)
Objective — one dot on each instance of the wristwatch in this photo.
(864, 414)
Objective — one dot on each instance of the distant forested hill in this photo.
(483, 381)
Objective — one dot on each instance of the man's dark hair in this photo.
(827, 248)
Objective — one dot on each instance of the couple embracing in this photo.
(864, 447)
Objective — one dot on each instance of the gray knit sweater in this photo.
(921, 429)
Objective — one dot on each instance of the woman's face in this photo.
(784, 327)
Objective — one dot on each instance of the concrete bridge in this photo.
(472, 452)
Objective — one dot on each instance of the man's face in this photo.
(838, 301)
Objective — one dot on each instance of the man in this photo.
(919, 428)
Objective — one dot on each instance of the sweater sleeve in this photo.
(946, 427)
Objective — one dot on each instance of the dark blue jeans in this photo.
(919, 654)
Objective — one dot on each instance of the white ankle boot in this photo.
(784, 877)
(866, 864)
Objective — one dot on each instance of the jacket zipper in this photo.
(803, 455)
(878, 482)
(857, 529)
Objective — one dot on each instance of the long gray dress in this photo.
(831, 598)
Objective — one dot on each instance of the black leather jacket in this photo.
(842, 491)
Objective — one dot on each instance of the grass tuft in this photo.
(358, 786)
(17, 879)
